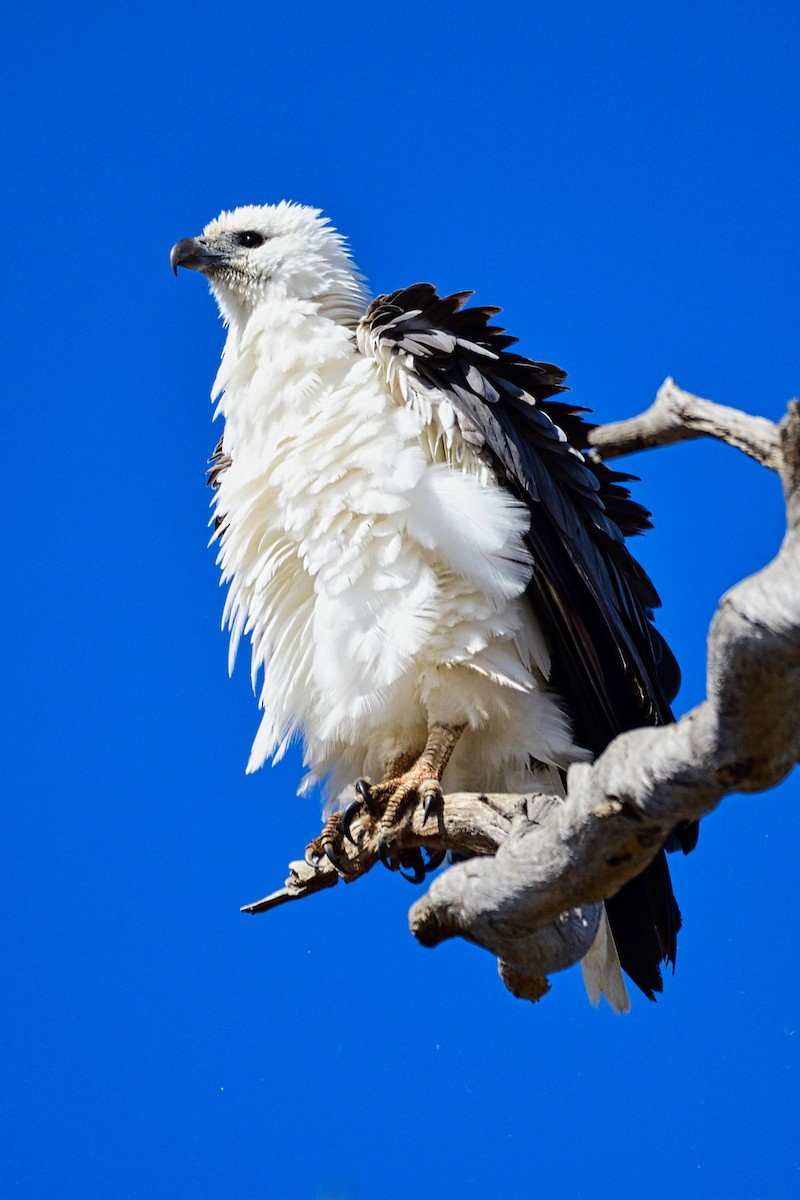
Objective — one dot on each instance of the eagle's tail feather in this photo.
(602, 974)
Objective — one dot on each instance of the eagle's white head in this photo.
(275, 252)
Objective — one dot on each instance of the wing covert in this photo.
(612, 666)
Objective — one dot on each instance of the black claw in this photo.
(311, 857)
(383, 855)
(333, 859)
(435, 860)
(365, 792)
(347, 818)
(427, 807)
(414, 860)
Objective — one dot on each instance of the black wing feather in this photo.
(593, 599)
(218, 463)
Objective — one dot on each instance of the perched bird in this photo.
(432, 573)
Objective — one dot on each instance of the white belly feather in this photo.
(382, 590)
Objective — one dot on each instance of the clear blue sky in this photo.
(623, 178)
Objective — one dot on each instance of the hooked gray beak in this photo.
(196, 255)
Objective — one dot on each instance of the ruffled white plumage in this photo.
(341, 535)
(376, 566)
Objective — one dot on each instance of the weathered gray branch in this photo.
(467, 823)
(678, 416)
(619, 810)
(531, 894)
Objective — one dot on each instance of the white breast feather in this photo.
(378, 582)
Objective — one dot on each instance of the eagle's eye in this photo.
(250, 239)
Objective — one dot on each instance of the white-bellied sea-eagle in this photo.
(433, 576)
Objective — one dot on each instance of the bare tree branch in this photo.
(468, 823)
(620, 809)
(678, 416)
(541, 866)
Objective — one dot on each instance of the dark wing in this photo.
(595, 602)
(219, 462)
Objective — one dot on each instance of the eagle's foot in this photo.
(364, 807)
(407, 782)
(371, 799)
(378, 809)
(325, 845)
